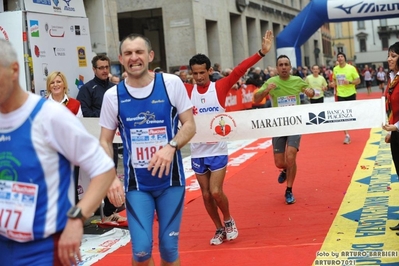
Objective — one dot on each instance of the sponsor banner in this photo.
(291, 120)
(273, 122)
(71, 8)
(96, 247)
(11, 29)
(59, 43)
(360, 234)
(338, 9)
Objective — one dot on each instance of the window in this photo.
(383, 22)
(384, 43)
(363, 46)
(340, 49)
(292, 3)
(338, 30)
(360, 25)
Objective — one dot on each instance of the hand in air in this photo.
(267, 42)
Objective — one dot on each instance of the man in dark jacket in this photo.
(91, 93)
(91, 96)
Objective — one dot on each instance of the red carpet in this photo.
(271, 232)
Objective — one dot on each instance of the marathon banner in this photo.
(283, 121)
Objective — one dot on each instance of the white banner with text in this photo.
(283, 121)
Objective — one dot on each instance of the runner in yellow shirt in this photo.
(345, 77)
(317, 82)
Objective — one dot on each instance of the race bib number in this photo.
(340, 79)
(145, 142)
(286, 101)
(17, 210)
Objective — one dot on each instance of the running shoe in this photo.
(282, 176)
(219, 237)
(231, 229)
(347, 139)
(289, 197)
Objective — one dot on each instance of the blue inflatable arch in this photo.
(318, 12)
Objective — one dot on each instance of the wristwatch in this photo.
(173, 143)
(76, 213)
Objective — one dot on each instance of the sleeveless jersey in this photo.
(146, 125)
(205, 104)
(34, 179)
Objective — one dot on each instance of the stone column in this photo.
(103, 23)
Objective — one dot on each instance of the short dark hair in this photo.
(394, 48)
(200, 59)
(282, 56)
(100, 57)
(133, 36)
(341, 53)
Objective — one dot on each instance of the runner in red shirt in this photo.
(209, 160)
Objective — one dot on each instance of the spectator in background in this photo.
(392, 108)
(272, 72)
(256, 82)
(305, 72)
(366, 73)
(115, 79)
(381, 78)
(91, 96)
(295, 72)
(265, 74)
(91, 93)
(183, 76)
(216, 73)
(227, 72)
(57, 91)
(158, 70)
(124, 75)
(299, 72)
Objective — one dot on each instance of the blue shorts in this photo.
(168, 203)
(213, 163)
(37, 252)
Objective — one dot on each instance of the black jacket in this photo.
(91, 96)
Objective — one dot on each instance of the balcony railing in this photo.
(388, 29)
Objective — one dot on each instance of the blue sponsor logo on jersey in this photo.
(28, 198)
(5, 195)
(210, 109)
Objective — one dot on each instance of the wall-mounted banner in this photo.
(60, 43)
(72, 8)
(283, 121)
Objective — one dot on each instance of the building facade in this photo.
(226, 30)
(343, 40)
(372, 39)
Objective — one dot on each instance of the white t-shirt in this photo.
(71, 139)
